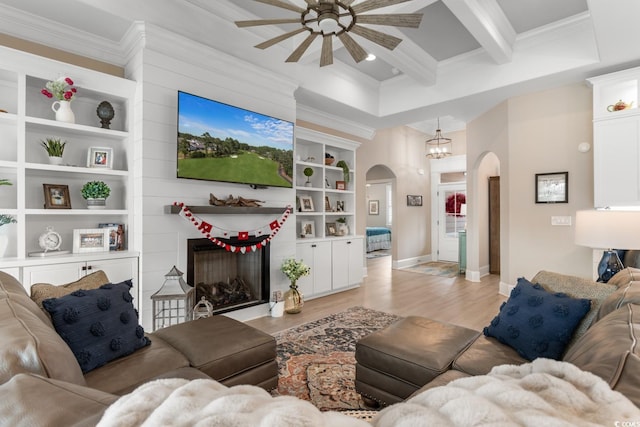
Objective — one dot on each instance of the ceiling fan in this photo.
(328, 18)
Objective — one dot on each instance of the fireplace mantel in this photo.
(226, 210)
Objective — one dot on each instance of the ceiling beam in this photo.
(486, 21)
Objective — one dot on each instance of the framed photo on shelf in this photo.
(414, 200)
(552, 187)
(100, 157)
(306, 203)
(307, 229)
(327, 204)
(340, 206)
(341, 185)
(331, 229)
(116, 235)
(374, 207)
(90, 240)
(56, 196)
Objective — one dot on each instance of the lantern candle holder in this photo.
(173, 302)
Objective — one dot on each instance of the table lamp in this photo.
(608, 229)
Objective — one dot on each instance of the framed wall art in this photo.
(341, 185)
(414, 200)
(306, 203)
(116, 235)
(56, 196)
(90, 240)
(552, 187)
(307, 229)
(100, 157)
(331, 229)
(374, 207)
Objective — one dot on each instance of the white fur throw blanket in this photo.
(541, 393)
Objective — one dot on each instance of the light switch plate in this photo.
(564, 221)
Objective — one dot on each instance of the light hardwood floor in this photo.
(454, 300)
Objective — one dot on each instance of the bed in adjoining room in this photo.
(378, 238)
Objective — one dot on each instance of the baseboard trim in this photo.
(410, 262)
(505, 288)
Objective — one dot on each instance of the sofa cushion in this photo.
(43, 291)
(122, 375)
(537, 323)
(577, 287)
(485, 353)
(99, 325)
(610, 350)
(627, 282)
(27, 344)
(38, 401)
(12, 289)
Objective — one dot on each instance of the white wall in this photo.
(163, 64)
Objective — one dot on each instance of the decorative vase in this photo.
(96, 203)
(4, 244)
(293, 300)
(63, 111)
(55, 160)
(342, 229)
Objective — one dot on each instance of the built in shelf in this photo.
(226, 210)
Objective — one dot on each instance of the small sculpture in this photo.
(618, 106)
(105, 113)
(234, 201)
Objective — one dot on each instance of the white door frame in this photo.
(438, 167)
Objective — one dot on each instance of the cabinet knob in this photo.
(349, 242)
(314, 245)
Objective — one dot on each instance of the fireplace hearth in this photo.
(228, 280)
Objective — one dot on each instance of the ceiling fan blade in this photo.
(256, 22)
(355, 50)
(347, 3)
(411, 20)
(302, 48)
(282, 4)
(280, 38)
(385, 40)
(311, 2)
(326, 56)
(374, 4)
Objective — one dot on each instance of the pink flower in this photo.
(68, 94)
(69, 81)
(73, 89)
(47, 93)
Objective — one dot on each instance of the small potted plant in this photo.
(345, 169)
(5, 181)
(294, 270)
(55, 149)
(342, 229)
(308, 172)
(96, 193)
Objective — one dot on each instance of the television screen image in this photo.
(220, 142)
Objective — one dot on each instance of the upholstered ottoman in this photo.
(227, 350)
(396, 361)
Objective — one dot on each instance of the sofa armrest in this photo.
(32, 400)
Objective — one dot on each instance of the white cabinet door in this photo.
(616, 156)
(119, 270)
(316, 255)
(55, 274)
(348, 262)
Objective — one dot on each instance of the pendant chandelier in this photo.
(438, 147)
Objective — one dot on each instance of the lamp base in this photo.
(609, 265)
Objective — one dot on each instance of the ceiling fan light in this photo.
(370, 57)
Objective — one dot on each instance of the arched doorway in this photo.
(380, 209)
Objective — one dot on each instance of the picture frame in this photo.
(307, 229)
(56, 196)
(374, 207)
(90, 240)
(100, 157)
(340, 206)
(327, 204)
(341, 185)
(306, 203)
(116, 235)
(414, 200)
(552, 187)
(331, 228)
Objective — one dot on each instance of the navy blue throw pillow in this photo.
(537, 323)
(99, 325)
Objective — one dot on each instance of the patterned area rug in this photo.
(436, 268)
(317, 360)
(379, 254)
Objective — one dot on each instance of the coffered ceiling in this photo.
(466, 56)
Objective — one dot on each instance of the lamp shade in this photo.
(608, 229)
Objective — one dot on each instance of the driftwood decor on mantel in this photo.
(234, 201)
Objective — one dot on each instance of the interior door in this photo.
(451, 219)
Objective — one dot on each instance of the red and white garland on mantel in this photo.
(208, 230)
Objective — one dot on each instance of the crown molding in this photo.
(334, 122)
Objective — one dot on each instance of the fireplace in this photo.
(228, 280)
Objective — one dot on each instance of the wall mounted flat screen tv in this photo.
(220, 142)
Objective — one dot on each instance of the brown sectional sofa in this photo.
(36, 364)
(416, 354)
